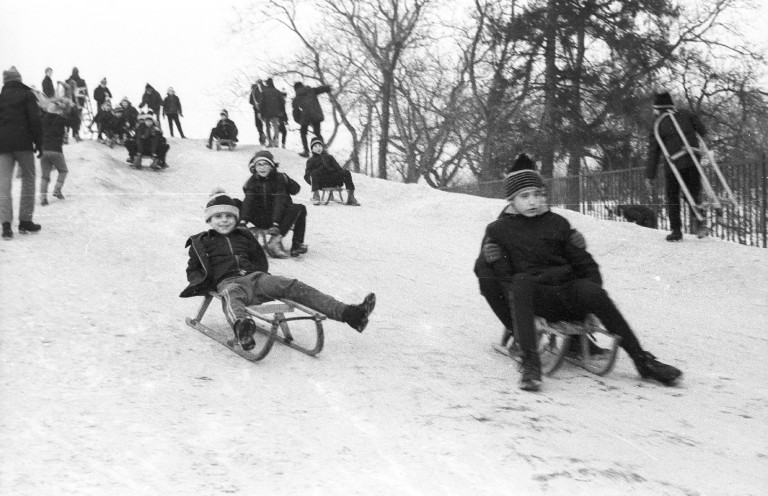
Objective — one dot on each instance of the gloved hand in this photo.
(492, 252)
(577, 239)
(273, 231)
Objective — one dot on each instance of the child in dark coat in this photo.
(545, 275)
(323, 171)
(228, 258)
(225, 129)
(268, 205)
(55, 118)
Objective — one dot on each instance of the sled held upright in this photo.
(272, 322)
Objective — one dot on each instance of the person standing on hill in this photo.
(48, 88)
(56, 116)
(152, 99)
(101, 94)
(272, 105)
(255, 101)
(172, 110)
(20, 138)
(307, 112)
(79, 93)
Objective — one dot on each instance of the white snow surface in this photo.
(104, 390)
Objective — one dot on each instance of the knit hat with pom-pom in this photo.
(262, 156)
(220, 202)
(522, 175)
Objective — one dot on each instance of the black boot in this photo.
(244, 331)
(7, 233)
(675, 235)
(650, 368)
(356, 316)
(530, 377)
(27, 226)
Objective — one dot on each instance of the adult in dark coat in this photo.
(268, 205)
(254, 99)
(272, 108)
(20, 138)
(172, 110)
(691, 126)
(152, 99)
(307, 112)
(48, 88)
(79, 93)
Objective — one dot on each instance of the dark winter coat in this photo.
(226, 129)
(690, 125)
(255, 97)
(539, 247)
(48, 89)
(54, 128)
(100, 94)
(306, 103)
(272, 103)
(153, 99)
(20, 128)
(266, 198)
(78, 82)
(171, 105)
(327, 166)
(130, 116)
(214, 257)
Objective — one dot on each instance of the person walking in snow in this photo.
(55, 117)
(323, 171)
(152, 99)
(48, 88)
(229, 259)
(20, 138)
(544, 275)
(692, 127)
(268, 205)
(307, 112)
(172, 110)
(225, 129)
(255, 98)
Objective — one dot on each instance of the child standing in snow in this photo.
(56, 116)
(229, 259)
(323, 171)
(544, 274)
(268, 205)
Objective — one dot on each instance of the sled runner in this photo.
(272, 323)
(597, 349)
(137, 163)
(231, 144)
(327, 194)
(716, 202)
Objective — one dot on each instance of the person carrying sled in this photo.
(323, 171)
(229, 259)
(172, 110)
(255, 99)
(692, 127)
(225, 129)
(152, 100)
(307, 112)
(268, 206)
(55, 117)
(545, 275)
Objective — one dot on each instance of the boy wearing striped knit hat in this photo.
(544, 273)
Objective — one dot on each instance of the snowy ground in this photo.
(105, 391)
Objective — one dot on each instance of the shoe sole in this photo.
(530, 386)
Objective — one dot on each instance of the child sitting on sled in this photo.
(228, 258)
(322, 171)
(545, 275)
(225, 129)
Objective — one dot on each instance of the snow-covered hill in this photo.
(105, 391)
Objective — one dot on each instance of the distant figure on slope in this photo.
(148, 140)
(105, 120)
(56, 116)
(48, 89)
(307, 112)
(268, 205)
(691, 125)
(545, 275)
(272, 109)
(228, 258)
(79, 92)
(152, 99)
(20, 138)
(172, 110)
(225, 129)
(323, 171)
(255, 99)
(100, 95)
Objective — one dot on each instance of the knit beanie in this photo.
(522, 175)
(220, 202)
(262, 156)
(224, 113)
(316, 141)
(11, 74)
(663, 100)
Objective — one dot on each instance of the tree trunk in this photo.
(549, 118)
(386, 96)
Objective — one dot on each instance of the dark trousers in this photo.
(692, 180)
(259, 125)
(174, 118)
(571, 301)
(304, 129)
(283, 132)
(320, 179)
(295, 216)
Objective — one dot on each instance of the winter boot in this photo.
(530, 377)
(275, 247)
(304, 154)
(155, 164)
(650, 368)
(356, 316)
(351, 200)
(57, 194)
(244, 331)
(7, 233)
(675, 235)
(315, 198)
(298, 249)
(43, 199)
(136, 162)
(27, 226)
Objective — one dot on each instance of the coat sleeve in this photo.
(321, 89)
(584, 266)
(292, 186)
(33, 117)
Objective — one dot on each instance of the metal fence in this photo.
(599, 194)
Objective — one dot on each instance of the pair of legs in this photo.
(320, 180)
(273, 130)
(174, 118)
(304, 129)
(692, 179)
(26, 161)
(143, 146)
(259, 126)
(49, 162)
(215, 133)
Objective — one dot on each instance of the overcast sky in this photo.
(178, 43)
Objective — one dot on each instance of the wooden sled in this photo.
(272, 323)
(327, 195)
(231, 144)
(555, 341)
